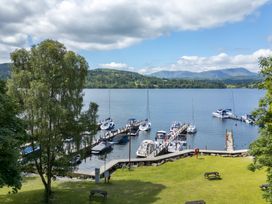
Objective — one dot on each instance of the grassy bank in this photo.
(174, 182)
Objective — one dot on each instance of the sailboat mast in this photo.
(147, 105)
(233, 104)
(193, 112)
(109, 103)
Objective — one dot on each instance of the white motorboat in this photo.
(145, 125)
(249, 119)
(131, 122)
(146, 148)
(191, 129)
(161, 134)
(176, 146)
(175, 125)
(107, 124)
(223, 113)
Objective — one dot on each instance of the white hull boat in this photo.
(145, 126)
(107, 124)
(223, 113)
(191, 129)
(146, 148)
(176, 146)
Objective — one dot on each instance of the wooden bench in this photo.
(195, 202)
(212, 175)
(98, 192)
(264, 186)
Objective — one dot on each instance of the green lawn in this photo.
(173, 182)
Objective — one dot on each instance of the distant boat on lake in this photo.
(223, 113)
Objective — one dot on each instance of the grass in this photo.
(173, 182)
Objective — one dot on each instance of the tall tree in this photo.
(12, 134)
(47, 82)
(261, 149)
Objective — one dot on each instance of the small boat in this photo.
(102, 147)
(176, 146)
(146, 148)
(161, 134)
(223, 113)
(249, 119)
(175, 125)
(131, 122)
(107, 124)
(191, 129)
(120, 139)
(145, 125)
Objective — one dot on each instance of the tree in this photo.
(12, 134)
(261, 148)
(47, 82)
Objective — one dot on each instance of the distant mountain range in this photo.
(222, 74)
(110, 78)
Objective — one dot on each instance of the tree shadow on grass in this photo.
(119, 192)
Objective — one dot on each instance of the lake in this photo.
(169, 105)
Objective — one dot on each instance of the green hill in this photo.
(108, 78)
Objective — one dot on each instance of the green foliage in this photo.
(12, 134)
(47, 83)
(261, 149)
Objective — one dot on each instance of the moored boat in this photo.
(191, 129)
(102, 147)
(161, 134)
(175, 125)
(223, 113)
(107, 124)
(146, 148)
(176, 146)
(249, 119)
(145, 125)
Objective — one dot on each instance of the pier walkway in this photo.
(112, 165)
(173, 135)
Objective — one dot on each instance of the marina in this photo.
(164, 112)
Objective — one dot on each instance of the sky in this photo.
(144, 36)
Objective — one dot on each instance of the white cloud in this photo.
(116, 65)
(220, 61)
(107, 24)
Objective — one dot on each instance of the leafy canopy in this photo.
(261, 149)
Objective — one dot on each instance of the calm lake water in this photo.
(168, 105)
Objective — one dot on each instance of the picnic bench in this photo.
(195, 202)
(264, 186)
(212, 175)
(98, 192)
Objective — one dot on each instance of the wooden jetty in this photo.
(229, 141)
(173, 135)
(113, 165)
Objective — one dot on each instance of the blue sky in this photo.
(145, 36)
